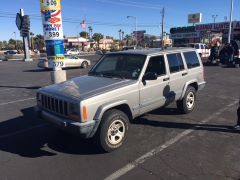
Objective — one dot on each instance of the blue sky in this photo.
(108, 16)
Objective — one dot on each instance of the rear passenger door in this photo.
(178, 75)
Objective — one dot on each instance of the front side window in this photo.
(191, 59)
(156, 65)
(125, 66)
(175, 62)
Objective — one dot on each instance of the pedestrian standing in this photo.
(237, 126)
(230, 51)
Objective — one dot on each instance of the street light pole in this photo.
(15, 39)
(135, 27)
(230, 22)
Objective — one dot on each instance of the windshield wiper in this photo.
(112, 75)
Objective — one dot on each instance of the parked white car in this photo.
(70, 61)
(73, 52)
(202, 49)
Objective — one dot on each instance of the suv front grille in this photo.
(55, 105)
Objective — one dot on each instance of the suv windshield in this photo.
(124, 66)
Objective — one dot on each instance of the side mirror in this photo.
(150, 76)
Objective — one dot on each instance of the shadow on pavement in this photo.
(21, 87)
(38, 70)
(180, 125)
(28, 136)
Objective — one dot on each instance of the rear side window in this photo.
(197, 46)
(175, 62)
(191, 59)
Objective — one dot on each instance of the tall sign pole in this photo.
(230, 22)
(53, 35)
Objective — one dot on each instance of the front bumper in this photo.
(84, 130)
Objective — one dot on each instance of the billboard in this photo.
(53, 32)
(185, 35)
(195, 18)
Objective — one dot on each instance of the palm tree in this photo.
(120, 34)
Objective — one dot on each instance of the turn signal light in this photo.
(84, 113)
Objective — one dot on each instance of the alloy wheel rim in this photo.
(190, 100)
(116, 132)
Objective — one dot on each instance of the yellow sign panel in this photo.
(56, 58)
(50, 4)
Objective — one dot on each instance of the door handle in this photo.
(184, 74)
(166, 79)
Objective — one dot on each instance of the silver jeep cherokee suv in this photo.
(120, 87)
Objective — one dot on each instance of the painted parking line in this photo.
(21, 100)
(130, 166)
(22, 131)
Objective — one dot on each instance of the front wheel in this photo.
(113, 130)
(187, 104)
(84, 64)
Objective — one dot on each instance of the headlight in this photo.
(74, 112)
(39, 99)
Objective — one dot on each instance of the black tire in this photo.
(84, 64)
(187, 104)
(105, 139)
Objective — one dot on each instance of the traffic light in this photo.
(25, 26)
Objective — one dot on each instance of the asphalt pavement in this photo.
(162, 144)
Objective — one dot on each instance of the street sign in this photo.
(19, 21)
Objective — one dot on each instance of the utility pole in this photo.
(230, 22)
(163, 17)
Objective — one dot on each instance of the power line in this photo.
(129, 4)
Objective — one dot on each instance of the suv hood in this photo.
(86, 86)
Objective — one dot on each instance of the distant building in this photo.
(106, 44)
(205, 33)
(77, 42)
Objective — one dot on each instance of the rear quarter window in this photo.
(191, 59)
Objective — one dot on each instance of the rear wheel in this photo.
(113, 130)
(84, 64)
(187, 104)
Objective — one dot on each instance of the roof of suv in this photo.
(153, 51)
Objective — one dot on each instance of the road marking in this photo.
(12, 102)
(130, 166)
(23, 131)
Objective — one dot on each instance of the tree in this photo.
(39, 42)
(97, 37)
(83, 34)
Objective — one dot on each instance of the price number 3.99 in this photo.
(53, 34)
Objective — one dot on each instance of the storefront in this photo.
(205, 33)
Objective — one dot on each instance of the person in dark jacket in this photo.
(214, 53)
(237, 126)
(230, 51)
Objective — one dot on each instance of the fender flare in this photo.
(103, 108)
(185, 87)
